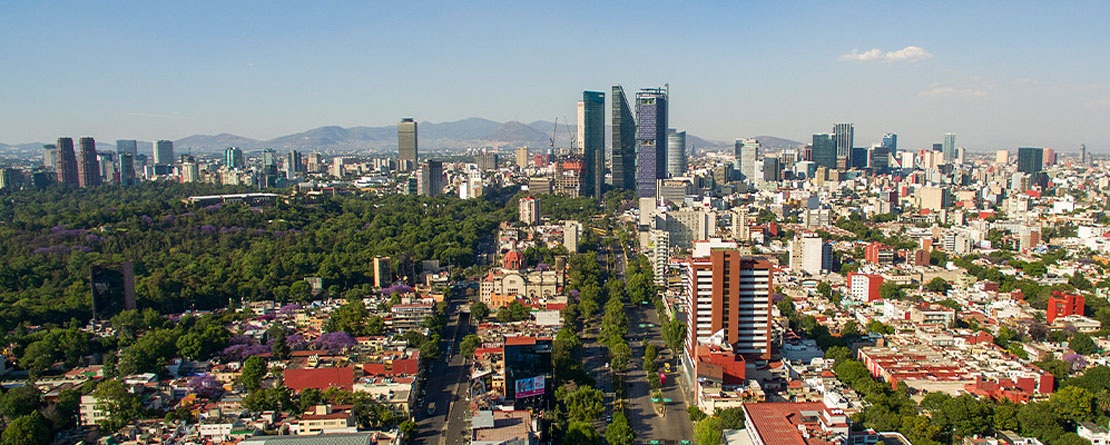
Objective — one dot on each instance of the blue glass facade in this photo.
(593, 145)
(651, 140)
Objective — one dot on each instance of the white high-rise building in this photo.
(811, 254)
(746, 152)
(676, 153)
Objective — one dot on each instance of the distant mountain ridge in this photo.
(458, 135)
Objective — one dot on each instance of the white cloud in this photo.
(938, 91)
(908, 54)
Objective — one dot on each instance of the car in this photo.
(609, 418)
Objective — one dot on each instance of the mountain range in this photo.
(458, 135)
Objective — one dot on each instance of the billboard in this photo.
(530, 387)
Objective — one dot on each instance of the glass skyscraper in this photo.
(845, 137)
(825, 150)
(949, 147)
(624, 142)
(676, 152)
(593, 143)
(406, 144)
(1030, 159)
(651, 140)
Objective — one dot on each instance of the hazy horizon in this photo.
(999, 75)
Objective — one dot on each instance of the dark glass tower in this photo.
(651, 140)
(66, 162)
(825, 150)
(407, 144)
(88, 167)
(1030, 160)
(593, 143)
(624, 142)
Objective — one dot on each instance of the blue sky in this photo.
(998, 74)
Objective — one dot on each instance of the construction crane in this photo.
(553, 131)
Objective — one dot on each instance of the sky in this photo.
(998, 74)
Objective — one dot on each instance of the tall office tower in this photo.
(592, 120)
(772, 169)
(949, 148)
(88, 168)
(233, 158)
(530, 210)
(521, 157)
(747, 150)
(1049, 157)
(430, 178)
(127, 169)
(268, 159)
(890, 142)
(676, 153)
(407, 145)
(163, 152)
(50, 156)
(1002, 157)
(1083, 154)
(845, 137)
(730, 293)
(127, 146)
(67, 162)
(651, 139)
(294, 164)
(878, 158)
(1029, 159)
(624, 141)
(824, 150)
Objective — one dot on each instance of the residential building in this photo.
(1062, 304)
(88, 167)
(530, 210)
(864, 287)
(383, 275)
(66, 162)
(811, 254)
(686, 226)
(878, 254)
(521, 155)
(731, 294)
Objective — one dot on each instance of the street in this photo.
(445, 385)
(675, 425)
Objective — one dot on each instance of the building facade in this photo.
(651, 140)
(730, 293)
(407, 144)
(624, 141)
(592, 129)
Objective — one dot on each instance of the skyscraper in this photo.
(163, 152)
(127, 146)
(824, 150)
(522, 157)
(66, 162)
(126, 169)
(1083, 154)
(406, 144)
(949, 148)
(890, 143)
(651, 140)
(772, 169)
(845, 137)
(730, 293)
(233, 158)
(1030, 159)
(592, 120)
(429, 178)
(746, 151)
(88, 167)
(676, 152)
(624, 142)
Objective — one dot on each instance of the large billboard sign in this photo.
(529, 387)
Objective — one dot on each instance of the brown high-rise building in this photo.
(88, 168)
(66, 162)
(730, 293)
(407, 145)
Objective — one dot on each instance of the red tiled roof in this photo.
(320, 378)
(399, 367)
(777, 422)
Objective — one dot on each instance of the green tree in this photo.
(939, 285)
(1082, 344)
(619, 432)
(1073, 403)
(850, 329)
(20, 401)
(583, 403)
(964, 415)
(29, 429)
(708, 431)
(581, 433)
(470, 343)
(479, 311)
(825, 290)
(254, 370)
(731, 418)
(891, 291)
(674, 334)
(120, 405)
(695, 413)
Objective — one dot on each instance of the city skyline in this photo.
(916, 70)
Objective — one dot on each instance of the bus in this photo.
(431, 408)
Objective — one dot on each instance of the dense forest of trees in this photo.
(188, 257)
